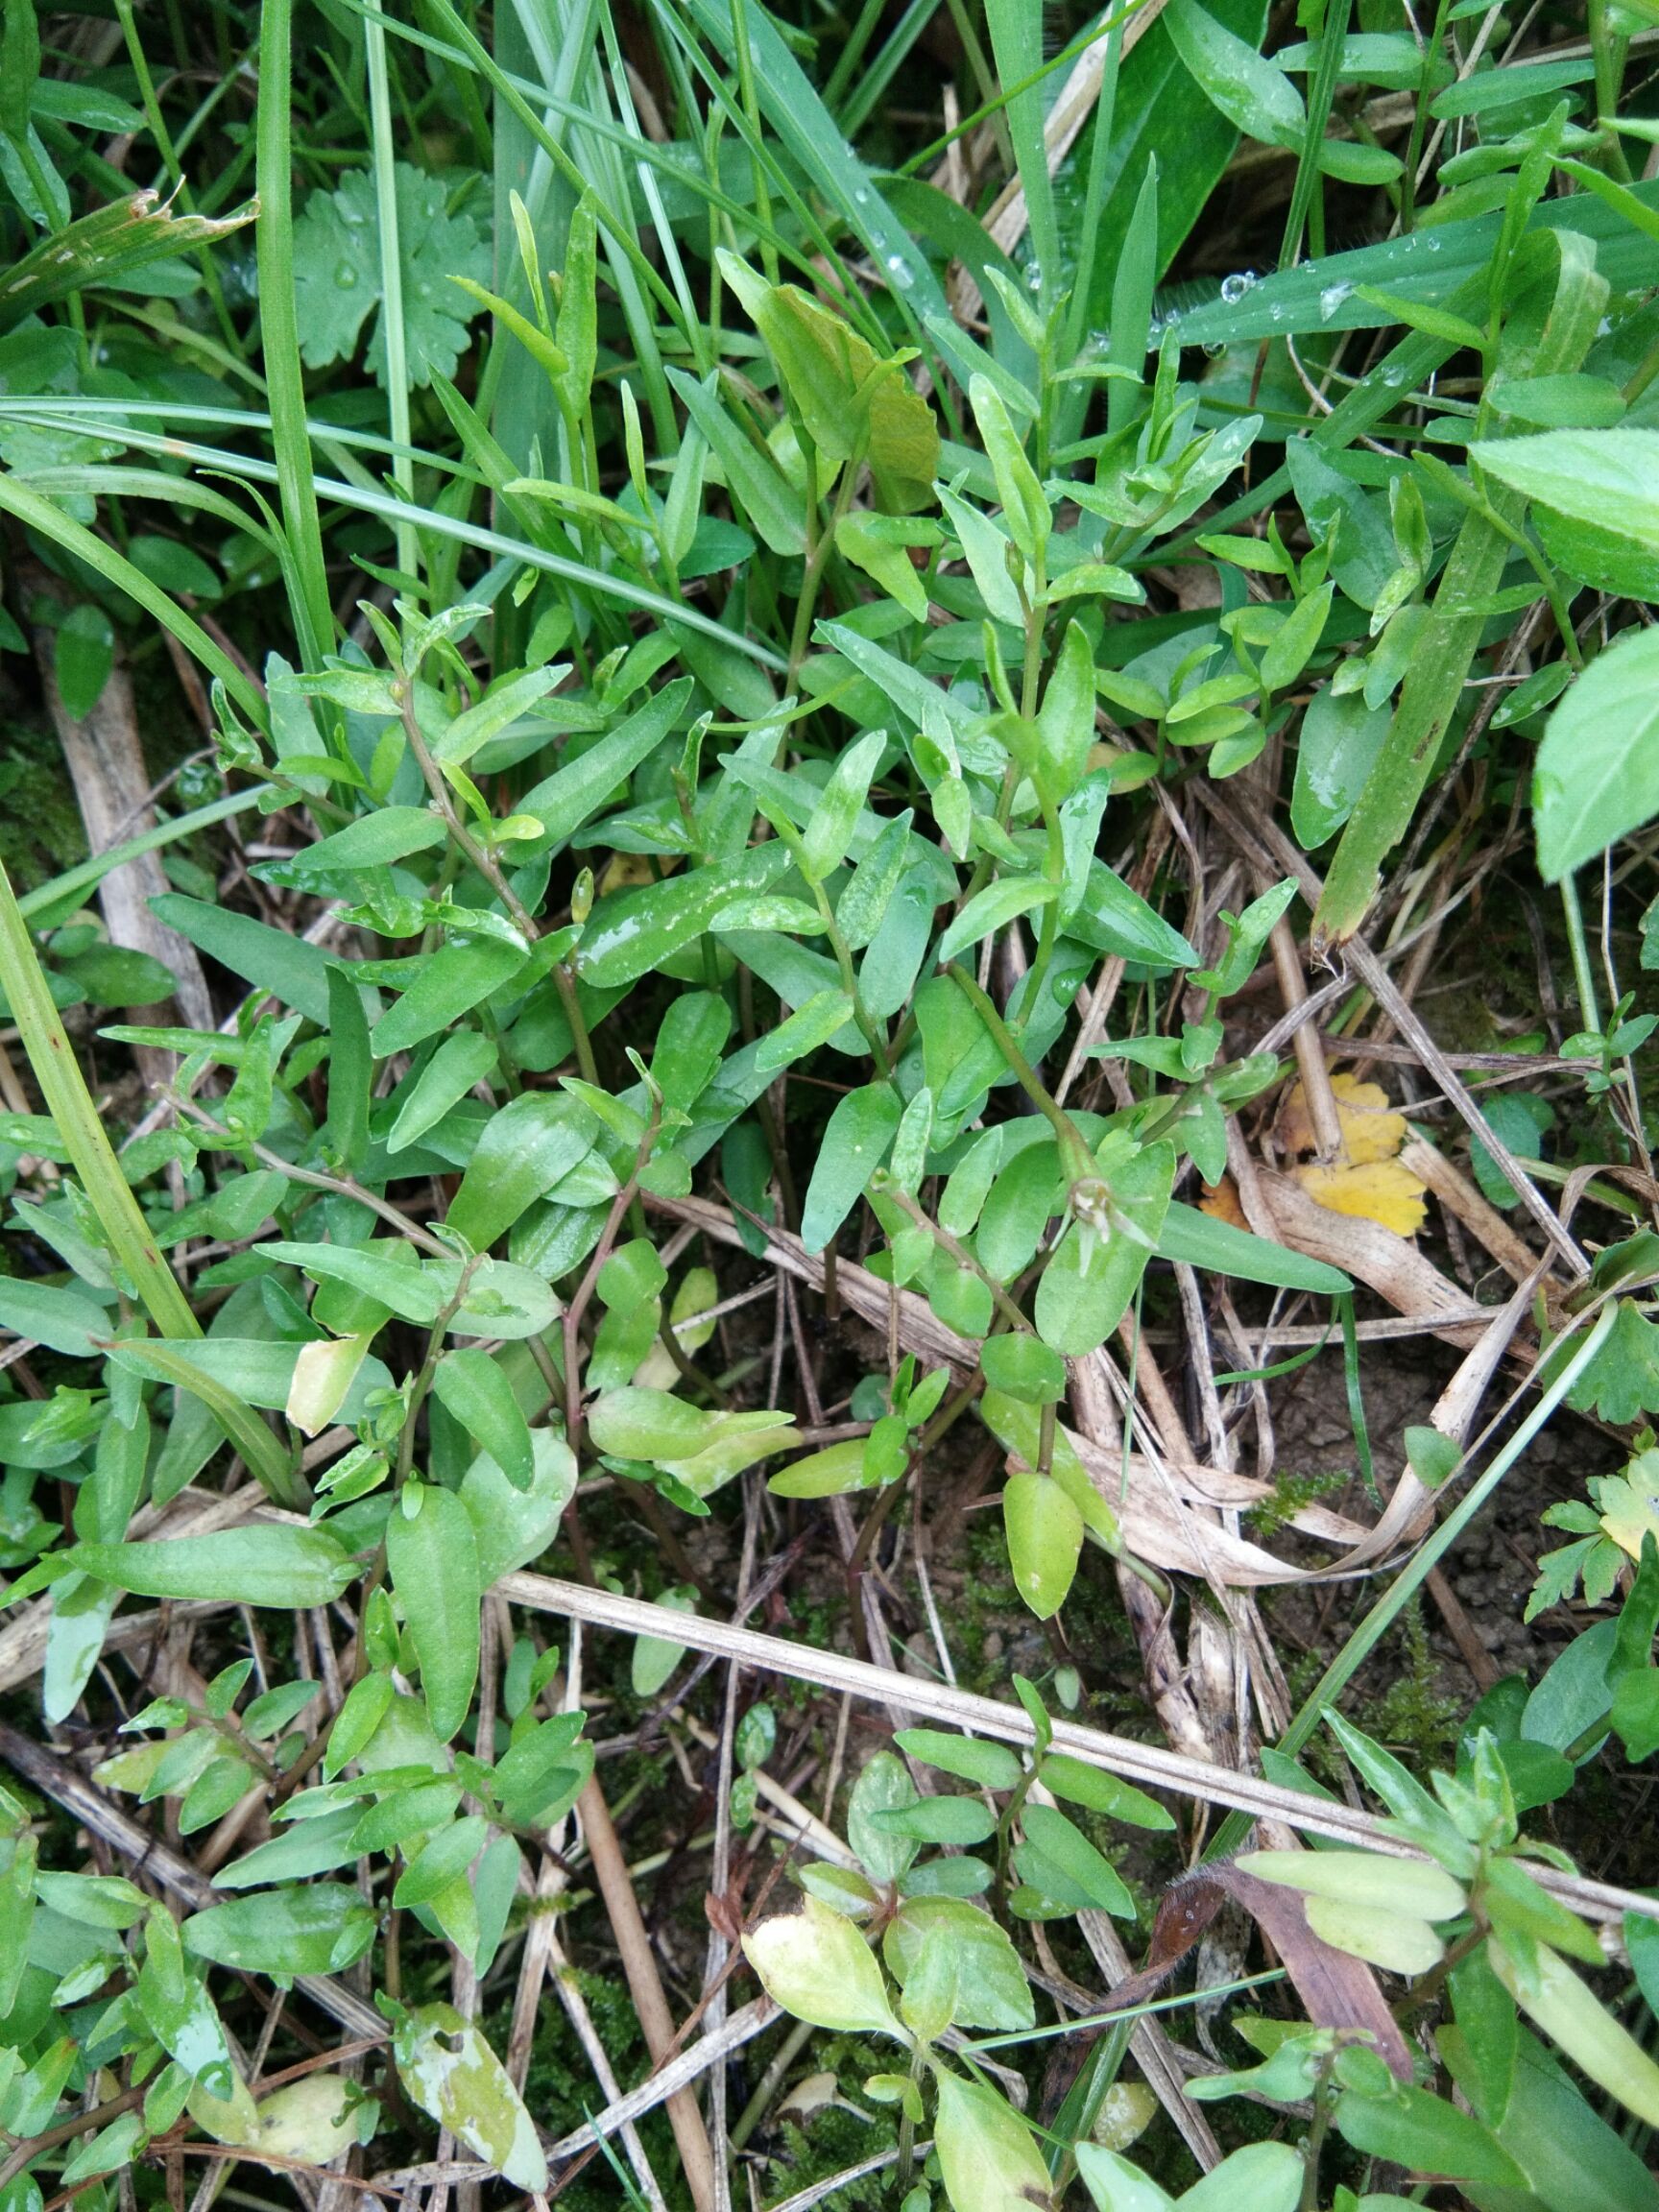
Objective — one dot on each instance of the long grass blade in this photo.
(280, 323)
(70, 1106)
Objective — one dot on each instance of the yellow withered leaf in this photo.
(628, 871)
(1382, 1190)
(1365, 1180)
(1372, 1129)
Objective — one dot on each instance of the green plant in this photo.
(751, 697)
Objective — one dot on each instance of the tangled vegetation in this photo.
(828, 1119)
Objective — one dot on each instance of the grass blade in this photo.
(313, 610)
(39, 512)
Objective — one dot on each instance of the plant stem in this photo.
(1583, 977)
(1074, 1154)
(479, 855)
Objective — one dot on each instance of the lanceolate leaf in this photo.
(432, 1556)
(254, 1566)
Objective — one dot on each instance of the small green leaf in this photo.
(955, 1820)
(473, 1386)
(457, 977)
(529, 1145)
(992, 909)
(1044, 1532)
(855, 1142)
(1427, 2134)
(320, 1928)
(1022, 1366)
(463, 1059)
(1086, 1877)
(994, 1766)
(1081, 1784)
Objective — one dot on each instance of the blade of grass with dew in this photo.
(1157, 113)
(69, 1103)
(1094, 282)
(791, 103)
(279, 332)
(1016, 30)
(1430, 265)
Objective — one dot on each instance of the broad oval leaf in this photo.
(1598, 771)
(861, 1130)
(320, 1928)
(987, 2155)
(817, 1967)
(1044, 1540)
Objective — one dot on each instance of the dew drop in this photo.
(1331, 299)
(1235, 287)
(1033, 277)
(900, 273)
(346, 275)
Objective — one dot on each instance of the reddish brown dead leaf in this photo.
(1336, 1991)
